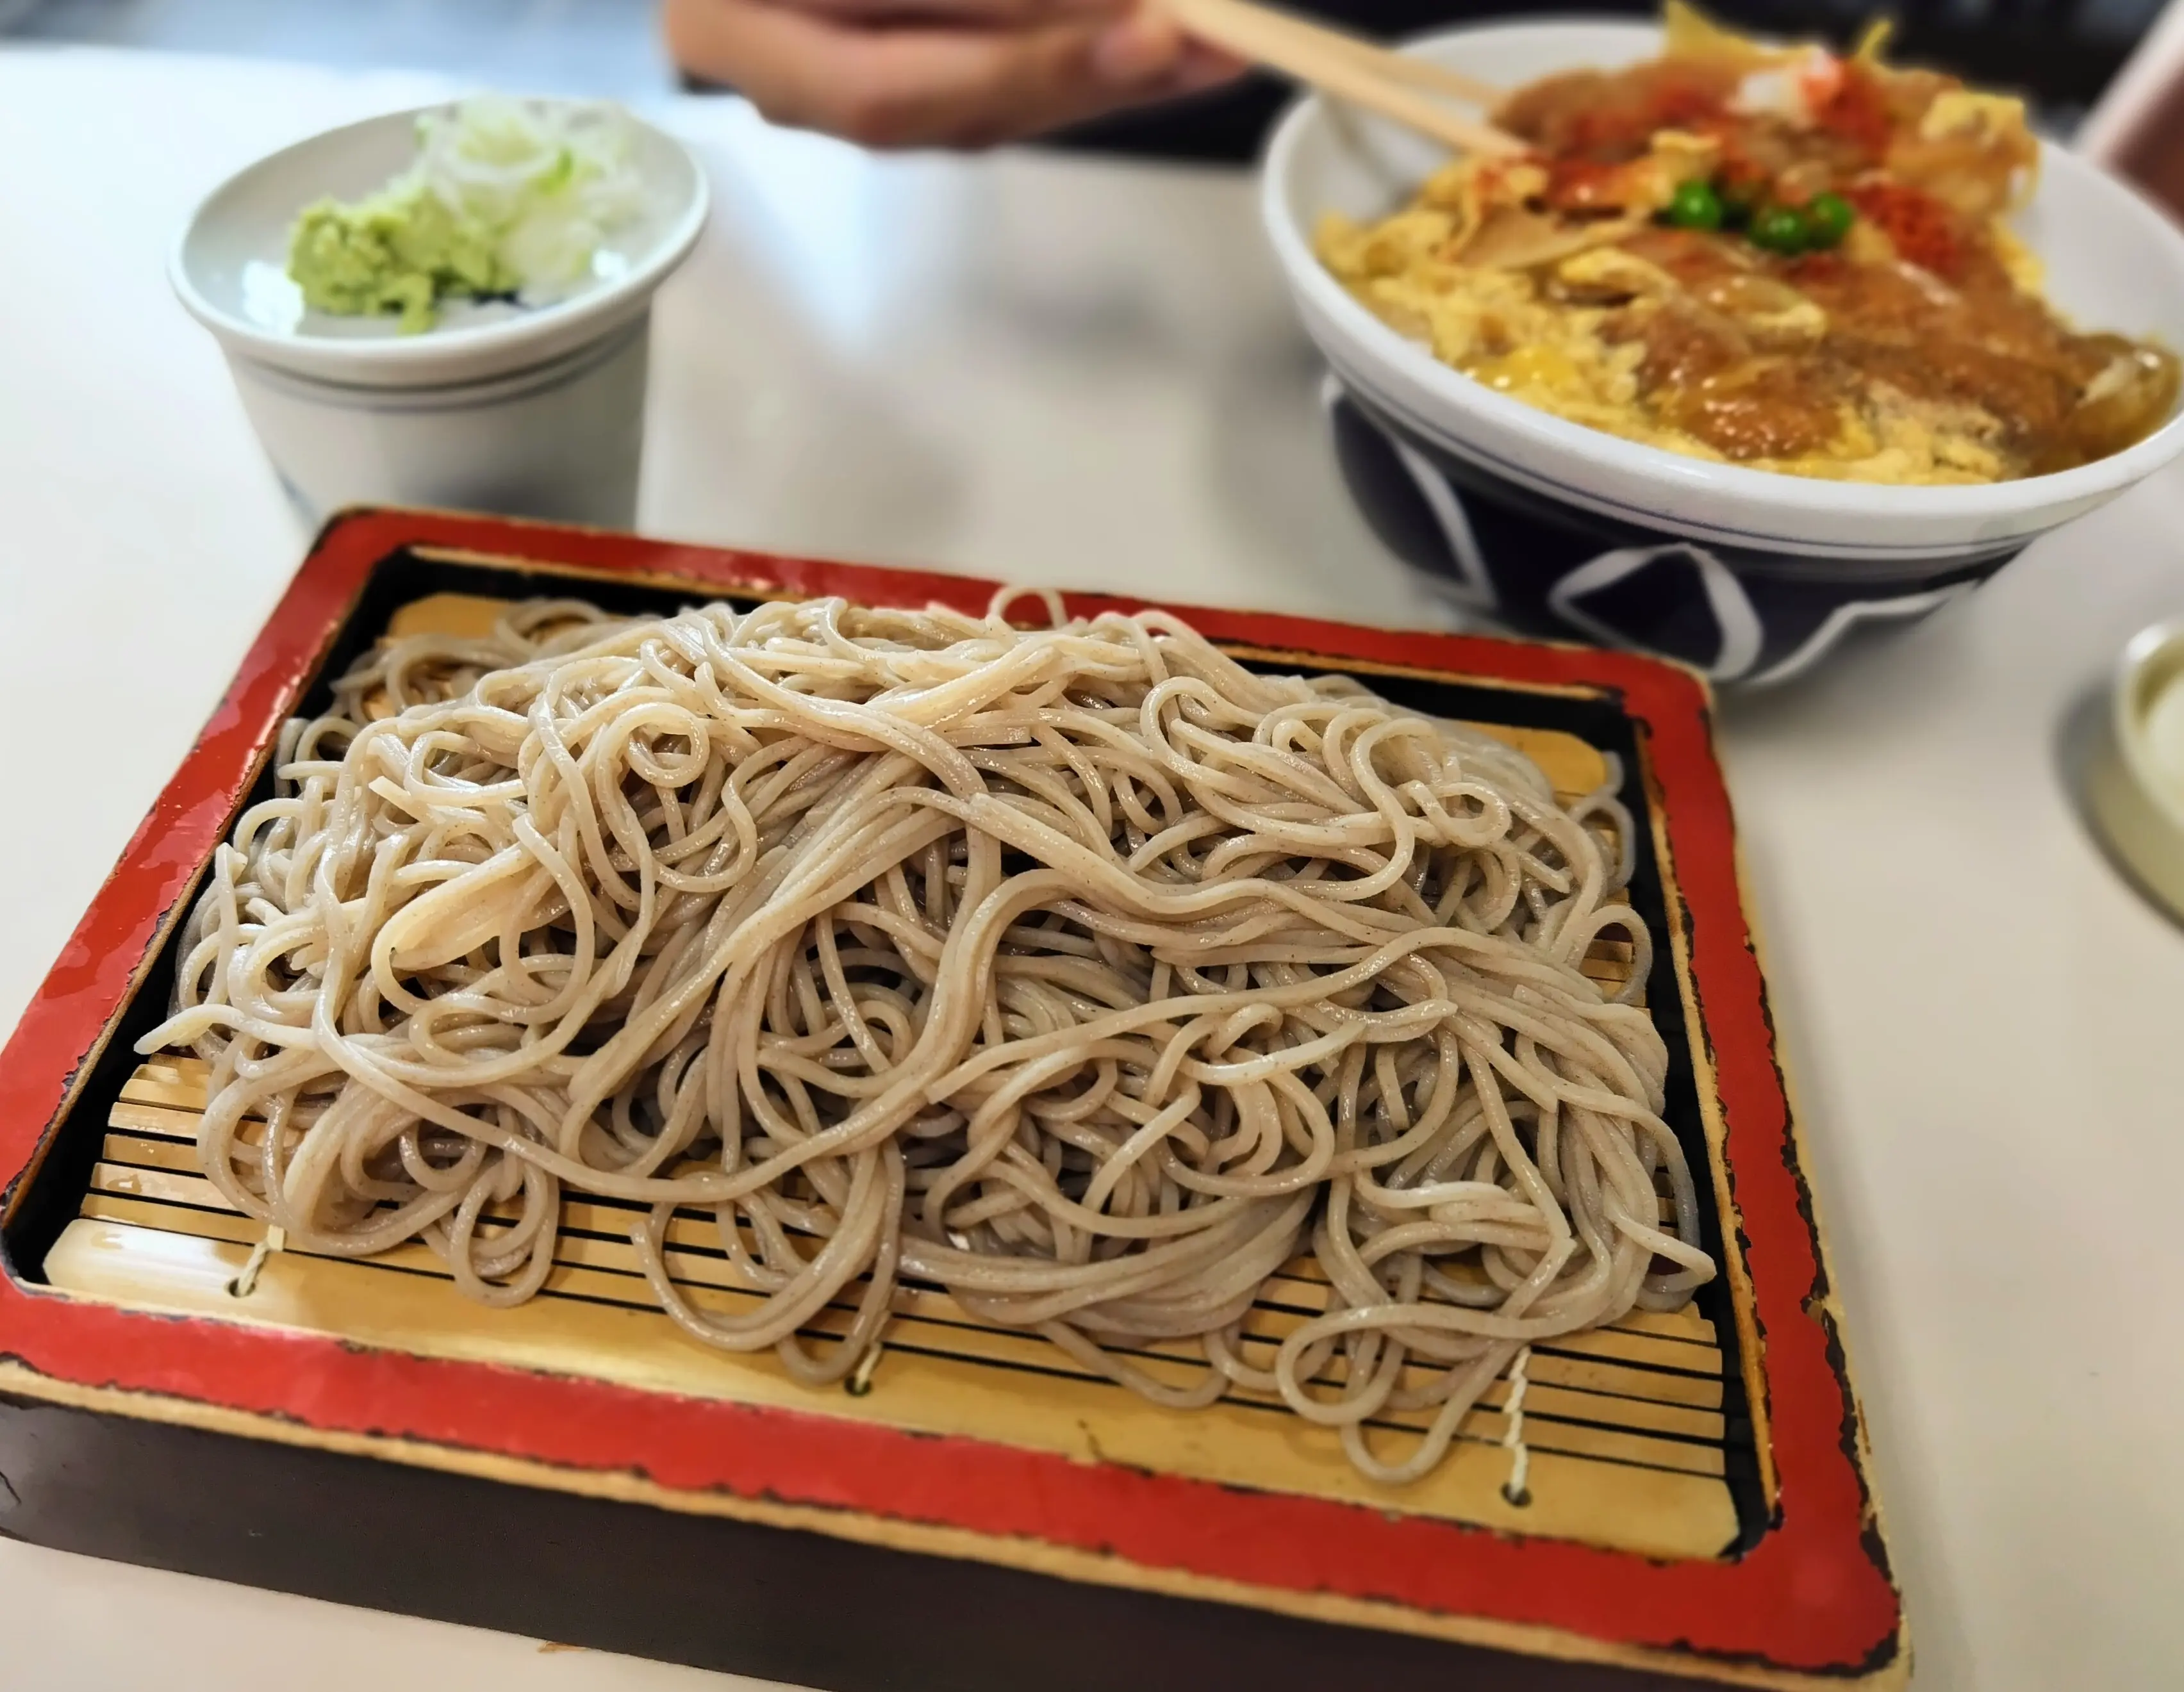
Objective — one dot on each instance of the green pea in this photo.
(1780, 229)
(1830, 217)
(1694, 205)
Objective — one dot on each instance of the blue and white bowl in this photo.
(1548, 525)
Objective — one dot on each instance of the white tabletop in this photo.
(1084, 375)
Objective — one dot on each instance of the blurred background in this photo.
(2061, 53)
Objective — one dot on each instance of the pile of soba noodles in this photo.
(1079, 972)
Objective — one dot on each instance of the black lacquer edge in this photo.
(712, 1592)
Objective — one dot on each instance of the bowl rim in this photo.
(420, 356)
(1788, 496)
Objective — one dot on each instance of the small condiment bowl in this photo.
(1550, 526)
(532, 411)
(2134, 790)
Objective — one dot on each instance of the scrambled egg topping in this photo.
(1529, 333)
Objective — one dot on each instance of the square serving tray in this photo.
(987, 1514)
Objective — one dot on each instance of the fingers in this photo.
(960, 14)
(1139, 46)
(1146, 45)
(807, 64)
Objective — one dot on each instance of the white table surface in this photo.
(1084, 375)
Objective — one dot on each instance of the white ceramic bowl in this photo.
(533, 411)
(1749, 574)
(2133, 788)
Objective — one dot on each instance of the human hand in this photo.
(939, 73)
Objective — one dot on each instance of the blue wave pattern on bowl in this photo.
(1505, 552)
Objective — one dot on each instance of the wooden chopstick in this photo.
(1410, 71)
(1350, 69)
(1405, 69)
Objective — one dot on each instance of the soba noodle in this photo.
(1080, 972)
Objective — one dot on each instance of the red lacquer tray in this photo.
(985, 1516)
